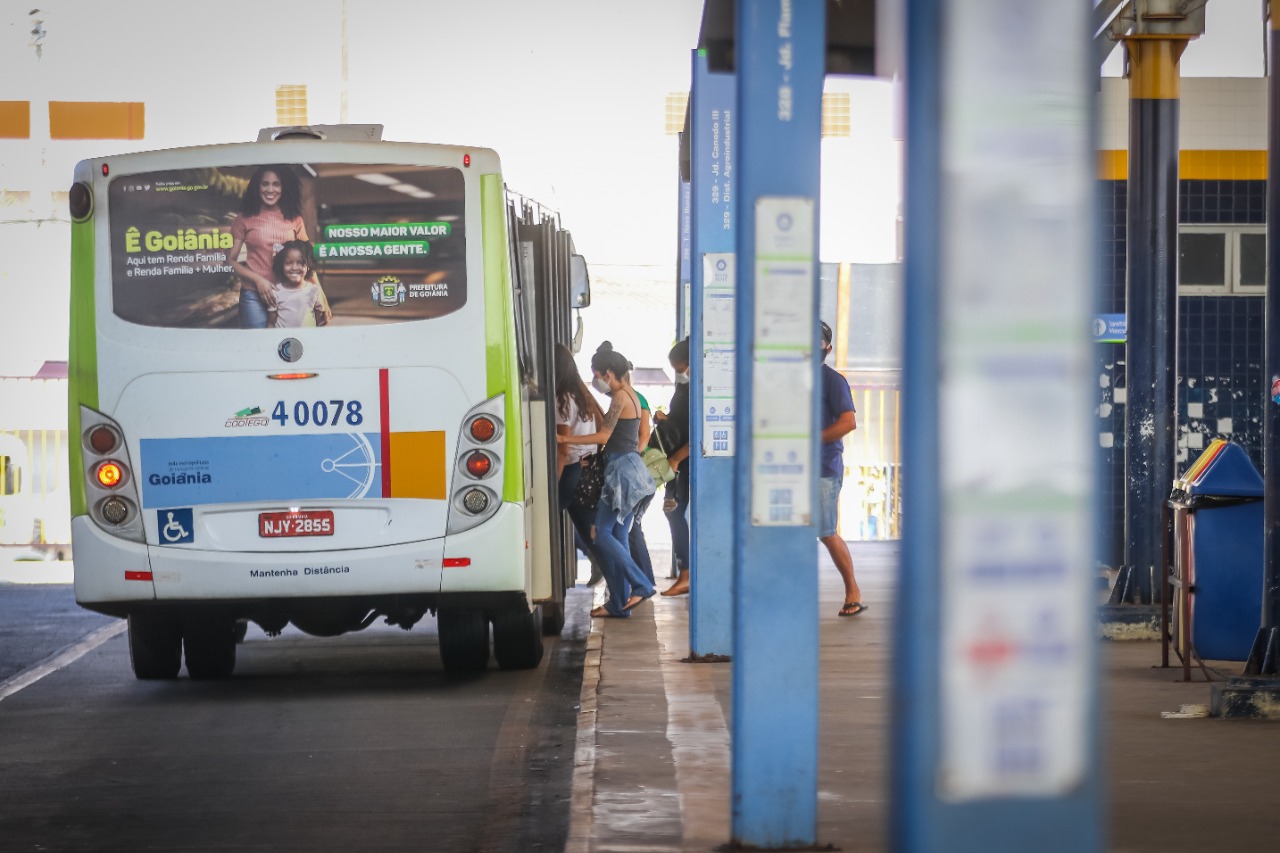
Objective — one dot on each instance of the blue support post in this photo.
(711, 403)
(1255, 693)
(684, 266)
(779, 53)
(995, 667)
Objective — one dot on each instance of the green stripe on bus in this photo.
(82, 379)
(500, 333)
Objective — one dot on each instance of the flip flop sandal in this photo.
(852, 608)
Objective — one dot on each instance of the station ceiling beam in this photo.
(851, 36)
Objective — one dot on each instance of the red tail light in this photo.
(102, 439)
(483, 429)
(478, 464)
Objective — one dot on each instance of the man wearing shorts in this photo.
(838, 420)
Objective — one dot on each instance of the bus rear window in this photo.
(287, 245)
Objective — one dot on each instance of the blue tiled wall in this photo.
(1220, 347)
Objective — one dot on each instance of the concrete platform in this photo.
(653, 751)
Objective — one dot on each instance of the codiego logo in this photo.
(251, 417)
(388, 291)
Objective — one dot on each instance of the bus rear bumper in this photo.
(107, 568)
(488, 559)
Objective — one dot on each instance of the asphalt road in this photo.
(359, 742)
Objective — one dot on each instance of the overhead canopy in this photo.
(851, 35)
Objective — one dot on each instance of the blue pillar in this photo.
(779, 56)
(995, 744)
(684, 265)
(712, 408)
(1264, 659)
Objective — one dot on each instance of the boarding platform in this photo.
(653, 752)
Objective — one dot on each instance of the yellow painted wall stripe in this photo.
(96, 120)
(1194, 165)
(15, 119)
(1113, 165)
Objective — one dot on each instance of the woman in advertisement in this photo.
(270, 216)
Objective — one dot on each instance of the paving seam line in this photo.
(60, 659)
(697, 732)
(581, 818)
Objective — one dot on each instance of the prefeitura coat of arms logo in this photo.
(388, 291)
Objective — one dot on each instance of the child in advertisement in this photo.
(296, 297)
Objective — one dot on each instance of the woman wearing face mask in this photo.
(626, 482)
(672, 431)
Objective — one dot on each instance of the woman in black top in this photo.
(673, 433)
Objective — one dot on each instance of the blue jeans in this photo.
(621, 573)
(678, 516)
(636, 543)
(253, 314)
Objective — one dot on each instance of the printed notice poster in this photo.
(718, 346)
(782, 377)
(244, 247)
(1016, 564)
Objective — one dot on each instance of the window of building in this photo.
(1222, 259)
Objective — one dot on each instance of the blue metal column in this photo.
(1256, 692)
(684, 265)
(995, 663)
(1264, 659)
(779, 65)
(711, 123)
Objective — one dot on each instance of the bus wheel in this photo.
(210, 643)
(155, 645)
(552, 618)
(464, 639)
(517, 638)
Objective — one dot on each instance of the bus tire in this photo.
(155, 645)
(210, 643)
(552, 618)
(464, 639)
(517, 638)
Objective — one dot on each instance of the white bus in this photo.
(378, 445)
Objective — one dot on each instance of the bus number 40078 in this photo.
(320, 413)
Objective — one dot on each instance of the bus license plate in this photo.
(314, 522)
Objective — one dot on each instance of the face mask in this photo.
(682, 379)
(600, 385)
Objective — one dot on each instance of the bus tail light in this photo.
(103, 439)
(110, 474)
(115, 510)
(478, 465)
(483, 429)
(111, 491)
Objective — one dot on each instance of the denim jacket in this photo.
(626, 483)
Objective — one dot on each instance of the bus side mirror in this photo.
(579, 282)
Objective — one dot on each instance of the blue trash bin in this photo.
(1218, 553)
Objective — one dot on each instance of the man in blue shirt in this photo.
(838, 420)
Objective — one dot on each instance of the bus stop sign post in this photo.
(711, 404)
(995, 717)
(779, 52)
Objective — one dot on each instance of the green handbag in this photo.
(655, 459)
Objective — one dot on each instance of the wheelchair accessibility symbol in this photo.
(176, 526)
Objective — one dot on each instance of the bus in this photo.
(309, 384)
